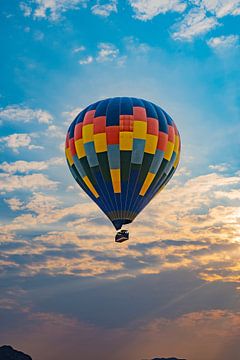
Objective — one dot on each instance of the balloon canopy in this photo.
(122, 151)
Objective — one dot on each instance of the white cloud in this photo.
(25, 9)
(86, 61)
(222, 8)
(16, 141)
(195, 23)
(27, 182)
(24, 114)
(56, 132)
(219, 167)
(22, 166)
(223, 42)
(71, 114)
(79, 49)
(104, 9)
(41, 203)
(14, 203)
(50, 9)
(107, 52)
(147, 9)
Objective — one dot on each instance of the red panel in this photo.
(139, 113)
(78, 131)
(88, 118)
(152, 126)
(171, 134)
(67, 141)
(175, 129)
(99, 124)
(126, 124)
(72, 147)
(126, 117)
(112, 134)
(162, 141)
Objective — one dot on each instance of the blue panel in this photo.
(156, 161)
(163, 125)
(131, 186)
(126, 106)
(71, 129)
(101, 109)
(91, 154)
(113, 112)
(114, 156)
(169, 119)
(80, 117)
(79, 167)
(101, 189)
(94, 106)
(150, 109)
(170, 164)
(137, 102)
(138, 151)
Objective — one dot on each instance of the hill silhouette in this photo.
(8, 353)
(171, 358)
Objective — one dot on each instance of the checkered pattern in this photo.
(122, 152)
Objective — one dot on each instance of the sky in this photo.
(67, 290)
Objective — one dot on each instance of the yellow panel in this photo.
(87, 132)
(126, 140)
(90, 186)
(80, 148)
(169, 150)
(116, 180)
(69, 156)
(176, 144)
(139, 129)
(151, 143)
(100, 142)
(147, 183)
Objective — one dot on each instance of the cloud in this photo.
(39, 329)
(24, 114)
(79, 49)
(147, 9)
(224, 42)
(22, 166)
(86, 266)
(71, 114)
(25, 9)
(199, 231)
(104, 9)
(107, 52)
(221, 8)
(54, 131)
(195, 23)
(14, 204)
(27, 182)
(16, 141)
(50, 9)
(219, 167)
(86, 61)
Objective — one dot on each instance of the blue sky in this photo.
(61, 280)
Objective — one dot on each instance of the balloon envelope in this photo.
(122, 151)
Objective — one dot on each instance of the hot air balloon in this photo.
(122, 151)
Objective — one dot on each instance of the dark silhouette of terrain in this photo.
(172, 358)
(8, 353)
